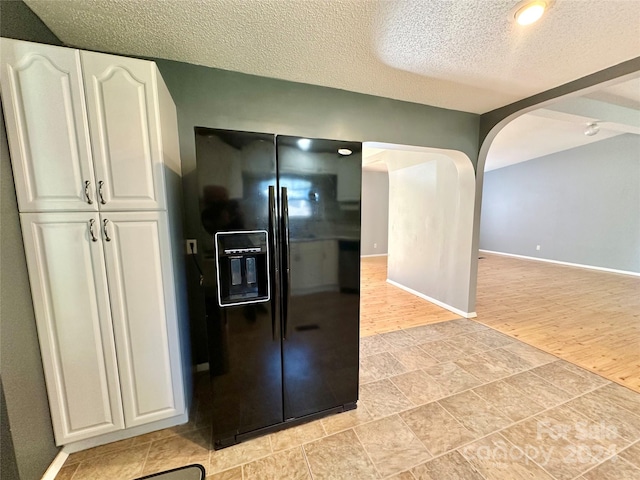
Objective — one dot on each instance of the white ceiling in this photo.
(465, 55)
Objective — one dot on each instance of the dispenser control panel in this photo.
(242, 263)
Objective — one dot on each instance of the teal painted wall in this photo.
(20, 362)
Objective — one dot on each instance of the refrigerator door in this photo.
(320, 214)
(237, 193)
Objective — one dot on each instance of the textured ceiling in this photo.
(461, 54)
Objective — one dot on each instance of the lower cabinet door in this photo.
(70, 297)
(141, 289)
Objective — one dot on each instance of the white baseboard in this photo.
(56, 465)
(455, 310)
(202, 367)
(568, 264)
(374, 255)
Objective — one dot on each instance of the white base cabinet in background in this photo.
(95, 155)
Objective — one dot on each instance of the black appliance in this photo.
(282, 300)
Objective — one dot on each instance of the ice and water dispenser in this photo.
(242, 260)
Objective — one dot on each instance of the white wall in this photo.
(430, 224)
(375, 213)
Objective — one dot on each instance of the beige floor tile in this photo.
(339, 456)
(491, 338)
(124, 464)
(419, 387)
(465, 326)
(345, 420)
(379, 366)
(289, 464)
(622, 396)
(498, 459)
(483, 368)
(372, 345)
(391, 445)
(452, 328)
(508, 400)
(451, 466)
(617, 469)
(238, 454)
(403, 476)
(625, 423)
(468, 344)
(382, 398)
(442, 351)
(399, 339)
(507, 360)
(538, 390)
(295, 436)
(632, 454)
(437, 428)
(101, 450)
(531, 354)
(178, 450)
(554, 440)
(426, 333)
(414, 358)
(569, 381)
(165, 433)
(232, 474)
(474, 413)
(451, 377)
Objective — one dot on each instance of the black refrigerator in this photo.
(280, 251)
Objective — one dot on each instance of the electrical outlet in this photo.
(537, 247)
(192, 247)
(375, 245)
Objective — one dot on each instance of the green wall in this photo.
(25, 394)
(215, 98)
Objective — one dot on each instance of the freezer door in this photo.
(320, 213)
(237, 193)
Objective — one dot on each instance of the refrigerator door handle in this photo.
(274, 270)
(284, 203)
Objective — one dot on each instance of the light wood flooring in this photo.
(589, 318)
(384, 308)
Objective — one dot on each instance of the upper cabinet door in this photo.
(42, 94)
(69, 287)
(122, 106)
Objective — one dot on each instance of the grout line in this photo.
(364, 449)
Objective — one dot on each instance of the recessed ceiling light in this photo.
(304, 143)
(344, 151)
(530, 12)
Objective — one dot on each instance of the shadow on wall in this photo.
(431, 205)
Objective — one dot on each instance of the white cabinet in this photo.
(71, 303)
(98, 193)
(122, 103)
(105, 153)
(43, 100)
(314, 266)
(144, 314)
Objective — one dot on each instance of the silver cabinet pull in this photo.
(93, 235)
(100, 185)
(87, 184)
(104, 227)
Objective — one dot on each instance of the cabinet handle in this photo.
(87, 183)
(104, 227)
(93, 235)
(100, 185)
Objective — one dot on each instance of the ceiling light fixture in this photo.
(592, 129)
(530, 12)
(344, 151)
(304, 143)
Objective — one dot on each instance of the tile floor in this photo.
(448, 401)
